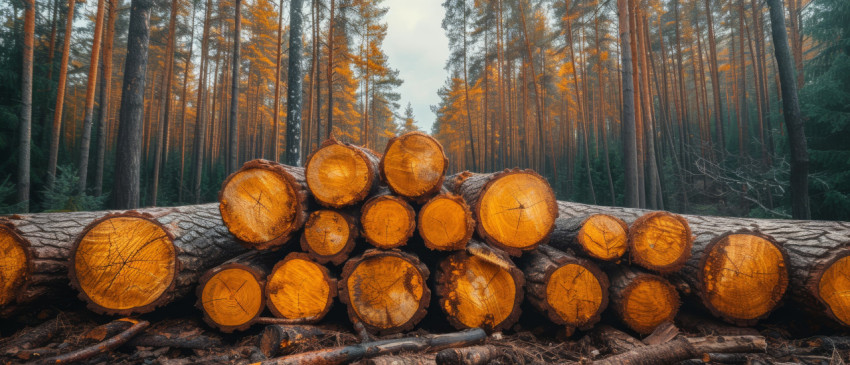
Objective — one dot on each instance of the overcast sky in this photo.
(418, 48)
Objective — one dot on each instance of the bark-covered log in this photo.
(480, 287)
(571, 291)
(341, 174)
(660, 241)
(264, 203)
(472, 355)
(278, 339)
(135, 261)
(299, 288)
(613, 340)
(385, 290)
(514, 210)
(818, 253)
(387, 221)
(643, 301)
(445, 223)
(684, 348)
(329, 236)
(231, 294)
(414, 166)
(599, 236)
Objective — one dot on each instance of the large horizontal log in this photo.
(414, 166)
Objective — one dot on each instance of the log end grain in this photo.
(329, 236)
(743, 276)
(414, 165)
(604, 237)
(298, 288)
(262, 204)
(231, 296)
(340, 174)
(660, 241)
(15, 263)
(387, 221)
(124, 263)
(645, 301)
(833, 288)
(577, 293)
(445, 223)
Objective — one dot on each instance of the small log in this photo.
(385, 290)
(684, 348)
(514, 210)
(329, 236)
(105, 331)
(105, 346)
(708, 326)
(424, 359)
(387, 221)
(445, 223)
(299, 288)
(30, 338)
(642, 300)
(182, 337)
(472, 355)
(341, 174)
(414, 166)
(136, 261)
(483, 290)
(570, 291)
(278, 339)
(264, 203)
(614, 340)
(660, 242)
(231, 295)
(599, 236)
(348, 354)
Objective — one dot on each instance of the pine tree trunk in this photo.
(628, 117)
(233, 121)
(25, 122)
(105, 95)
(161, 153)
(186, 72)
(200, 108)
(294, 86)
(91, 87)
(53, 154)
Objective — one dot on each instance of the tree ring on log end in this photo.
(299, 288)
(387, 221)
(445, 223)
(604, 237)
(648, 302)
(660, 241)
(231, 296)
(15, 263)
(339, 175)
(833, 288)
(260, 205)
(574, 292)
(743, 276)
(516, 211)
(414, 165)
(328, 236)
(124, 263)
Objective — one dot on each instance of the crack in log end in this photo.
(660, 241)
(743, 276)
(14, 264)
(339, 175)
(326, 232)
(414, 165)
(575, 294)
(387, 221)
(481, 294)
(445, 223)
(604, 237)
(259, 205)
(648, 302)
(834, 289)
(232, 297)
(517, 211)
(299, 288)
(380, 294)
(124, 263)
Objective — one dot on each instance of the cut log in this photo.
(660, 242)
(264, 203)
(385, 290)
(299, 288)
(445, 223)
(136, 261)
(514, 210)
(329, 236)
(387, 221)
(614, 340)
(599, 236)
(341, 174)
(414, 166)
(472, 355)
(231, 295)
(279, 339)
(684, 348)
(483, 289)
(570, 291)
(642, 300)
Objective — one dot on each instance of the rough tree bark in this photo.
(25, 123)
(294, 85)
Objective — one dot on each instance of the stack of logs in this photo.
(385, 233)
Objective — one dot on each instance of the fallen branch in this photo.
(347, 354)
(472, 355)
(105, 346)
(684, 348)
(31, 338)
(273, 320)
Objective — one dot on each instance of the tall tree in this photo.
(53, 154)
(105, 93)
(628, 115)
(233, 150)
(294, 85)
(167, 78)
(276, 113)
(91, 87)
(200, 105)
(186, 72)
(330, 73)
(25, 124)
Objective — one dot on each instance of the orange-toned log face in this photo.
(483, 293)
(338, 176)
(518, 210)
(232, 297)
(258, 205)
(13, 265)
(298, 288)
(660, 240)
(444, 223)
(387, 222)
(574, 293)
(385, 291)
(414, 164)
(744, 276)
(647, 303)
(834, 289)
(604, 237)
(124, 262)
(326, 232)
